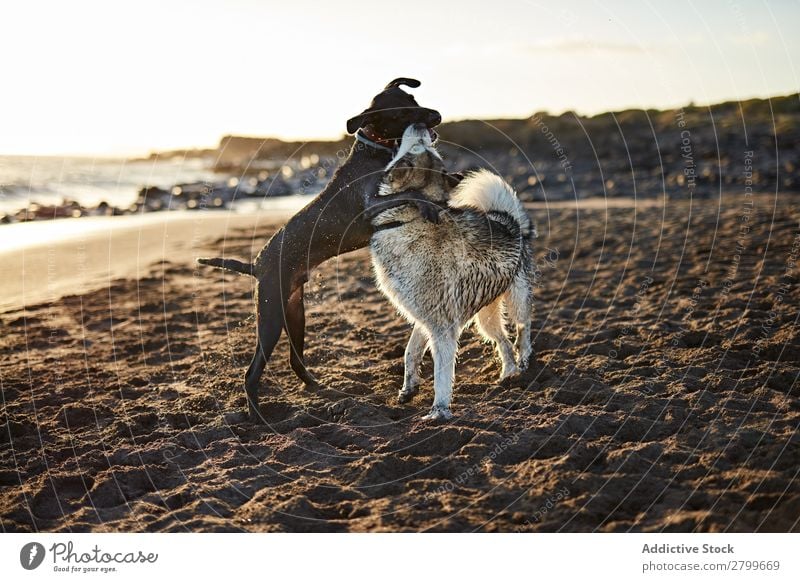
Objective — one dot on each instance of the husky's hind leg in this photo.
(518, 304)
(491, 325)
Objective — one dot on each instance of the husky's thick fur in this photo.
(475, 263)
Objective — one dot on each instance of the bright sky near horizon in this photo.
(128, 77)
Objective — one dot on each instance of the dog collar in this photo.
(374, 144)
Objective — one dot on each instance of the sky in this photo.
(126, 77)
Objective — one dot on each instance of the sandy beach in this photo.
(664, 396)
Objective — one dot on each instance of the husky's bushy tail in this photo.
(488, 192)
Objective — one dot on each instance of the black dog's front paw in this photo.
(379, 204)
(428, 210)
(454, 178)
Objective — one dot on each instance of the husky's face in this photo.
(423, 173)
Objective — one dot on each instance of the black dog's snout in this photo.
(434, 118)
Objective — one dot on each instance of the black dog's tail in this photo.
(230, 265)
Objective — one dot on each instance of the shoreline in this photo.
(81, 254)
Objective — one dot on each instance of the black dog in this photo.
(332, 224)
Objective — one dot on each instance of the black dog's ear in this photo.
(413, 83)
(354, 123)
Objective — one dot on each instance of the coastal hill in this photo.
(692, 151)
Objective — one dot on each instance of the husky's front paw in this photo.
(438, 413)
(525, 357)
(407, 393)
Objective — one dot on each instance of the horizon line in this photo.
(138, 155)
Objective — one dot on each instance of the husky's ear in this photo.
(359, 121)
(413, 83)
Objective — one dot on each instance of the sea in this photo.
(89, 181)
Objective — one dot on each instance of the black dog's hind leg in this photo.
(251, 381)
(295, 329)
(268, 330)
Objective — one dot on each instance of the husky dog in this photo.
(474, 264)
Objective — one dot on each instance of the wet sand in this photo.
(664, 396)
(41, 261)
